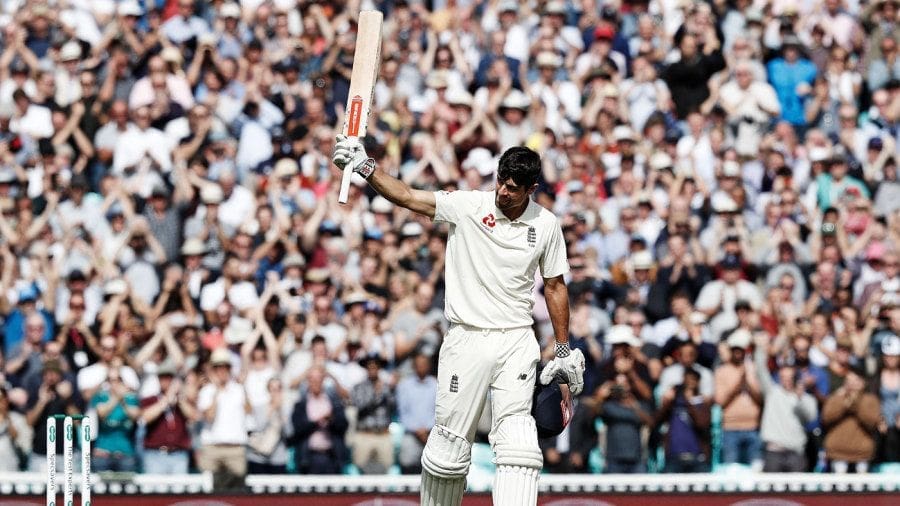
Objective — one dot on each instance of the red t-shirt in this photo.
(168, 431)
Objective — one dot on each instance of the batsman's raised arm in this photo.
(349, 152)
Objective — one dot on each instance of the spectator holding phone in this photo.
(687, 412)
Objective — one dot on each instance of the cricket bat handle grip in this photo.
(345, 185)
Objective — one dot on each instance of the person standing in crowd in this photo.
(850, 416)
(319, 425)
(374, 399)
(624, 416)
(493, 224)
(54, 396)
(786, 408)
(738, 393)
(168, 416)
(224, 407)
(117, 411)
(415, 407)
(888, 388)
(687, 412)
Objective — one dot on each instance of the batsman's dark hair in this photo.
(521, 164)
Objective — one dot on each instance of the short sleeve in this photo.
(553, 260)
(98, 399)
(205, 397)
(708, 297)
(132, 401)
(450, 207)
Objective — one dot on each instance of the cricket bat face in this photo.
(366, 60)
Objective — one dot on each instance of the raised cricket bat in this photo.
(366, 60)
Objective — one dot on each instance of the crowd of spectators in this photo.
(174, 263)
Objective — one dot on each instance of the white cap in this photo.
(515, 99)
(355, 297)
(130, 8)
(211, 194)
(740, 338)
(574, 186)
(70, 51)
(623, 133)
(193, 246)
(293, 260)
(411, 229)
(819, 154)
(508, 6)
(286, 167)
(220, 356)
(660, 160)
(555, 7)
(230, 10)
(548, 59)
(457, 96)
(481, 160)
(621, 334)
(173, 54)
(642, 260)
(116, 286)
(731, 168)
(724, 204)
(381, 205)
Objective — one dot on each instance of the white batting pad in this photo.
(515, 486)
(441, 491)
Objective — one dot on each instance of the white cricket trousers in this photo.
(474, 361)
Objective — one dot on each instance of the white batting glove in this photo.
(567, 367)
(349, 152)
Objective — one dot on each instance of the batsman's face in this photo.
(511, 196)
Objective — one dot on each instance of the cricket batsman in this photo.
(496, 242)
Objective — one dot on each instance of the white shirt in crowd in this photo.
(241, 293)
(237, 208)
(230, 423)
(718, 292)
(133, 144)
(37, 122)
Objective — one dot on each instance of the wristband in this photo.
(366, 168)
(562, 349)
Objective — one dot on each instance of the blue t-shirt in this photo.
(14, 329)
(785, 77)
(682, 436)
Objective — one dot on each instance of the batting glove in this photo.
(349, 152)
(567, 367)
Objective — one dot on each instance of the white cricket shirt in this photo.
(491, 261)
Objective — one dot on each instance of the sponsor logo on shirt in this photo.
(488, 223)
(454, 384)
(532, 236)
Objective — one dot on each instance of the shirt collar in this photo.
(532, 211)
